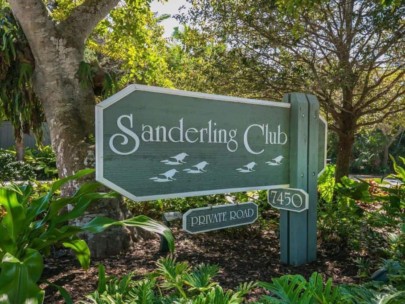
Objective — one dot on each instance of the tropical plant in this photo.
(387, 288)
(43, 160)
(30, 226)
(12, 170)
(172, 282)
(17, 100)
(296, 289)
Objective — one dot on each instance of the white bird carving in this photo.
(176, 160)
(247, 168)
(250, 166)
(200, 166)
(275, 161)
(169, 174)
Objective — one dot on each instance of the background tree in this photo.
(18, 101)
(57, 33)
(347, 52)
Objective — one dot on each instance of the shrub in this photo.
(295, 289)
(43, 161)
(29, 226)
(172, 282)
(12, 170)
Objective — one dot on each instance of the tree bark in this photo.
(19, 147)
(389, 142)
(58, 49)
(345, 145)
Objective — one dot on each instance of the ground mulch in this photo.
(243, 255)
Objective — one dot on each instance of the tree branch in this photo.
(36, 23)
(85, 17)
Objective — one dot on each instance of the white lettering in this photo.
(149, 131)
(246, 136)
(191, 130)
(180, 130)
(124, 137)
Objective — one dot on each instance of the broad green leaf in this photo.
(16, 285)
(59, 183)
(81, 205)
(14, 218)
(33, 260)
(54, 236)
(101, 279)
(81, 251)
(99, 224)
(6, 243)
(63, 292)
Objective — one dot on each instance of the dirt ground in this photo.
(243, 255)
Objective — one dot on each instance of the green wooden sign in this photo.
(219, 217)
(295, 200)
(154, 143)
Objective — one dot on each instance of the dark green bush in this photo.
(172, 282)
(30, 225)
(12, 170)
(43, 161)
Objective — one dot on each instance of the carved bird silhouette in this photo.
(200, 166)
(275, 161)
(176, 160)
(247, 168)
(169, 174)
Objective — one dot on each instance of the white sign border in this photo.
(136, 87)
(218, 206)
(326, 144)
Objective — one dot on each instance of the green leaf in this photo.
(81, 251)
(99, 224)
(6, 243)
(63, 292)
(101, 286)
(33, 260)
(14, 218)
(16, 284)
(59, 183)
(81, 204)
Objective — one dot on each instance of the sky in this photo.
(169, 7)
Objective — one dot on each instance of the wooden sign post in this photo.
(298, 230)
(154, 143)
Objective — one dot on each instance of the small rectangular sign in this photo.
(288, 199)
(219, 217)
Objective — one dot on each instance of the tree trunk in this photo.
(19, 147)
(58, 49)
(345, 145)
(389, 141)
(69, 111)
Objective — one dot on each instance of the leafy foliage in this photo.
(389, 290)
(43, 161)
(129, 45)
(181, 283)
(12, 170)
(30, 226)
(17, 99)
(345, 52)
(295, 289)
(363, 215)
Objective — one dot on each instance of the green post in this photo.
(298, 230)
